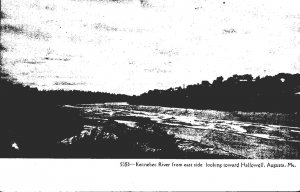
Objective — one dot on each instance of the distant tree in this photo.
(238, 92)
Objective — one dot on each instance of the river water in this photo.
(209, 131)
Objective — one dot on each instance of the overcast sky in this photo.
(130, 47)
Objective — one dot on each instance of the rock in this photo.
(109, 136)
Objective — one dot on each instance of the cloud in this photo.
(6, 28)
(20, 30)
(105, 27)
(127, 48)
(2, 15)
(228, 31)
(2, 48)
(67, 83)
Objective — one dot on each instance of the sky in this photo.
(132, 46)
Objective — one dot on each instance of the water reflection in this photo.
(204, 130)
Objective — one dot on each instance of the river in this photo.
(208, 131)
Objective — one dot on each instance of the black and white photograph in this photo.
(166, 79)
(150, 80)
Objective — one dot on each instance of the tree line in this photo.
(278, 93)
